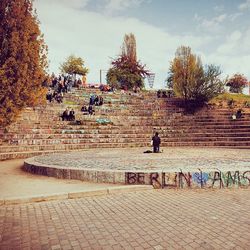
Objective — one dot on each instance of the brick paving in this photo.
(172, 159)
(158, 219)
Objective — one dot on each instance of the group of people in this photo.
(164, 93)
(90, 110)
(54, 95)
(64, 83)
(57, 86)
(106, 88)
(68, 115)
(95, 100)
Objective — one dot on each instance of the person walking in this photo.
(156, 143)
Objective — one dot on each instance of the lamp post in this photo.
(101, 71)
(151, 78)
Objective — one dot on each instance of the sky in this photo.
(216, 30)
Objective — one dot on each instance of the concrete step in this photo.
(66, 147)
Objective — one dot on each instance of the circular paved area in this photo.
(133, 159)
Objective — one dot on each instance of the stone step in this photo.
(81, 140)
(207, 144)
(107, 129)
(207, 139)
(121, 139)
(65, 147)
(40, 145)
(134, 118)
(121, 134)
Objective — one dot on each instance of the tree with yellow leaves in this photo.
(190, 80)
(74, 66)
(23, 59)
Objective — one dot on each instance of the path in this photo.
(18, 186)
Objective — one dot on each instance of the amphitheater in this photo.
(201, 149)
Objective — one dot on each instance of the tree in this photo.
(126, 71)
(236, 83)
(169, 80)
(211, 84)
(189, 79)
(23, 59)
(74, 66)
(129, 47)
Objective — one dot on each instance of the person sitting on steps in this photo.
(237, 115)
(91, 110)
(71, 115)
(65, 115)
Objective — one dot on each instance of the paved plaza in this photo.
(157, 219)
(150, 219)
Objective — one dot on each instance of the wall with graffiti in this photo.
(199, 179)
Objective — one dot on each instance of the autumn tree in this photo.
(23, 59)
(189, 79)
(74, 66)
(236, 83)
(126, 71)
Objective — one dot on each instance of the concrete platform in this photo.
(174, 167)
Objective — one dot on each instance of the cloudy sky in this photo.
(217, 30)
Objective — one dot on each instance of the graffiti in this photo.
(215, 179)
(103, 121)
(184, 179)
(246, 176)
(135, 178)
(200, 178)
(169, 180)
(154, 179)
(232, 179)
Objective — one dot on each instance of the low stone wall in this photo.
(181, 179)
(91, 175)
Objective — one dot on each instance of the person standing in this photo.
(156, 143)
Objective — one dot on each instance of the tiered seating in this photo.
(211, 127)
(123, 121)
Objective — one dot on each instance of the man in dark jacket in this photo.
(156, 143)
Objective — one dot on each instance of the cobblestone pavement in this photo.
(172, 159)
(157, 219)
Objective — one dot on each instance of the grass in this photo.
(70, 103)
(229, 98)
